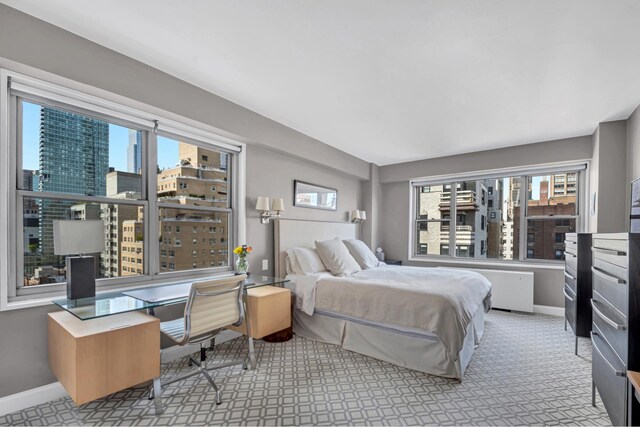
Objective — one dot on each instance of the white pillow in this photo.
(308, 261)
(336, 257)
(361, 253)
(292, 263)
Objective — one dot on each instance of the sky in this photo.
(118, 142)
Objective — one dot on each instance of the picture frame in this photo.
(313, 196)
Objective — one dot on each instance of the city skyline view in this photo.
(118, 142)
(76, 154)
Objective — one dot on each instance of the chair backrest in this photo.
(214, 304)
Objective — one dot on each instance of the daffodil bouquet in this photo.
(242, 266)
(243, 250)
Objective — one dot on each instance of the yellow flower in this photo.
(237, 250)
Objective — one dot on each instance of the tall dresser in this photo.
(577, 284)
(616, 319)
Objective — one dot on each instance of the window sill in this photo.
(511, 265)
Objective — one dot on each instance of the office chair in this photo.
(212, 305)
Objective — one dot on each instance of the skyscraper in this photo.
(134, 151)
(73, 159)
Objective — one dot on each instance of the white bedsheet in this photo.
(435, 300)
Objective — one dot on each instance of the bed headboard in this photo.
(291, 233)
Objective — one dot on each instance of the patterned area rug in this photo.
(523, 373)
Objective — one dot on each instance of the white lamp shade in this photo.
(278, 205)
(78, 237)
(262, 204)
(363, 215)
(355, 215)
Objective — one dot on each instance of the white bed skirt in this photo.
(416, 350)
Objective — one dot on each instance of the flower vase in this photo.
(242, 265)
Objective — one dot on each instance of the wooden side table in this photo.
(268, 311)
(97, 357)
(393, 261)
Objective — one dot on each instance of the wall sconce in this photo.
(262, 204)
(358, 217)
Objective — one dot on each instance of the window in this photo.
(77, 167)
(433, 220)
(550, 215)
(79, 157)
(201, 207)
(488, 215)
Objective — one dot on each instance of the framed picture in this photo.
(306, 195)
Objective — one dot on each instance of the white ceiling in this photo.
(388, 81)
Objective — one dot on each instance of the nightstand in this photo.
(393, 261)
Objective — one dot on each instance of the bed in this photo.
(426, 319)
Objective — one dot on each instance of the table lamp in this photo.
(77, 237)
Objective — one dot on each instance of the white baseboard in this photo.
(53, 391)
(29, 398)
(550, 310)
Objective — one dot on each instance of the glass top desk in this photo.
(112, 303)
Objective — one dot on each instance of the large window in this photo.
(164, 191)
(79, 167)
(194, 206)
(497, 218)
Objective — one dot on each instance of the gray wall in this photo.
(29, 41)
(372, 203)
(522, 155)
(609, 177)
(394, 212)
(272, 174)
(633, 151)
(594, 174)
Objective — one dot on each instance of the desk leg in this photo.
(252, 356)
(157, 396)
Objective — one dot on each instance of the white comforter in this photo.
(441, 301)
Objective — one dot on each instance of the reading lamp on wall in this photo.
(358, 217)
(262, 204)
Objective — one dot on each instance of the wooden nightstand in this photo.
(393, 261)
(269, 310)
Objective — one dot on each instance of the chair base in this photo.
(155, 393)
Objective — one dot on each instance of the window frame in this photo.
(57, 92)
(581, 167)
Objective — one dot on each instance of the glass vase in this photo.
(242, 265)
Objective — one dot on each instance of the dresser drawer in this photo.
(612, 288)
(612, 326)
(614, 258)
(615, 271)
(570, 279)
(571, 259)
(570, 307)
(571, 237)
(609, 376)
(618, 245)
(571, 246)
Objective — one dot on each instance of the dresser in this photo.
(577, 284)
(615, 332)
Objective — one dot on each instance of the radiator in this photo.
(511, 290)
